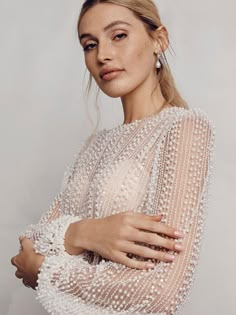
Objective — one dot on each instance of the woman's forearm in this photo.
(77, 237)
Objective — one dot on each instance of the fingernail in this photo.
(179, 233)
(150, 265)
(179, 247)
(171, 257)
(158, 217)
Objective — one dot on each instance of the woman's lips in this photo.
(111, 75)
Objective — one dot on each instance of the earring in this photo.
(158, 64)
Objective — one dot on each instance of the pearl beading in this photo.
(52, 237)
(162, 164)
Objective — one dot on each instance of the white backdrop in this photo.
(43, 120)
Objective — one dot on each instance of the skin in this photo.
(27, 263)
(114, 236)
(127, 47)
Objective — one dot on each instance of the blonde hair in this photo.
(147, 13)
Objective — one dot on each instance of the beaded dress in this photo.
(159, 164)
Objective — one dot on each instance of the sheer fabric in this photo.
(160, 164)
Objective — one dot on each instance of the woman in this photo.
(101, 248)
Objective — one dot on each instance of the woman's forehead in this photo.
(102, 14)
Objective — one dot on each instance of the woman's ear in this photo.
(160, 39)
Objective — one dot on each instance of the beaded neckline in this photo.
(139, 121)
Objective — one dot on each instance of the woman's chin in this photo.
(113, 95)
(115, 92)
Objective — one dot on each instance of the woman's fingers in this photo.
(157, 240)
(26, 243)
(13, 261)
(158, 227)
(151, 239)
(25, 283)
(143, 216)
(117, 235)
(147, 252)
(152, 224)
(132, 263)
(18, 274)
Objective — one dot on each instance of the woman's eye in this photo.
(120, 36)
(89, 47)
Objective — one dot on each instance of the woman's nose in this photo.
(105, 52)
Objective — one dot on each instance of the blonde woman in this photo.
(123, 235)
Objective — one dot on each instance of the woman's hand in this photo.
(27, 263)
(113, 237)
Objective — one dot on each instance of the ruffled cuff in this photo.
(29, 232)
(52, 236)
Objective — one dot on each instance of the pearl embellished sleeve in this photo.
(32, 230)
(48, 234)
(183, 168)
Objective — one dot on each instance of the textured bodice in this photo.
(159, 164)
(113, 173)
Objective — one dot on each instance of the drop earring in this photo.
(158, 64)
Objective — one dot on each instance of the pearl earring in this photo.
(158, 64)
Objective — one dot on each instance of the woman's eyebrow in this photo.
(106, 28)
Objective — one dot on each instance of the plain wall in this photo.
(43, 120)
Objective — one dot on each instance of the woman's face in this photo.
(124, 45)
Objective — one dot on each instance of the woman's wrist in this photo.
(77, 237)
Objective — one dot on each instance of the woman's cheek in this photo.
(87, 63)
(91, 68)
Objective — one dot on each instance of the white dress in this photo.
(159, 164)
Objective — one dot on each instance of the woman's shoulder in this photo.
(187, 124)
(193, 115)
(193, 125)
(197, 112)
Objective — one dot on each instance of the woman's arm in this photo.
(71, 285)
(47, 234)
(31, 231)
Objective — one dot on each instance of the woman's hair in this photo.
(147, 12)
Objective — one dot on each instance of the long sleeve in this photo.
(48, 234)
(70, 285)
(31, 231)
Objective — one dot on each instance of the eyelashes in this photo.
(91, 46)
(121, 34)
